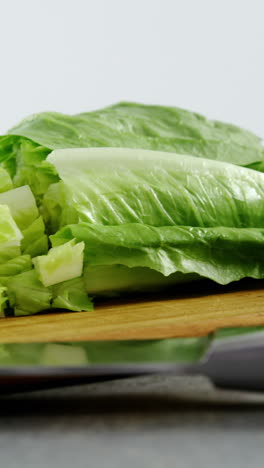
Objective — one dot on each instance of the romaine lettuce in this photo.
(113, 186)
(128, 125)
(157, 204)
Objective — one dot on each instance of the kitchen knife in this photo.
(234, 362)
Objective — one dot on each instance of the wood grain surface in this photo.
(172, 315)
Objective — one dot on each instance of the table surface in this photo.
(150, 421)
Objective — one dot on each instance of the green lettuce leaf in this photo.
(135, 125)
(111, 186)
(221, 254)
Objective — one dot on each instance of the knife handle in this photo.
(236, 366)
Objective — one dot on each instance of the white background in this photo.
(79, 55)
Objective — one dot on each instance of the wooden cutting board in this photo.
(179, 314)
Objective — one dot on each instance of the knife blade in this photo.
(231, 363)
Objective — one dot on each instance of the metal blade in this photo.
(235, 363)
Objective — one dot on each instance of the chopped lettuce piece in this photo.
(10, 235)
(3, 300)
(22, 205)
(27, 295)
(62, 263)
(38, 246)
(71, 295)
(57, 209)
(32, 169)
(53, 201)
(35, 241)
(8, 151)
(8, 252)
(16, 265)
(5, 181)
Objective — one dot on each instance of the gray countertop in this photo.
(149, 421)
